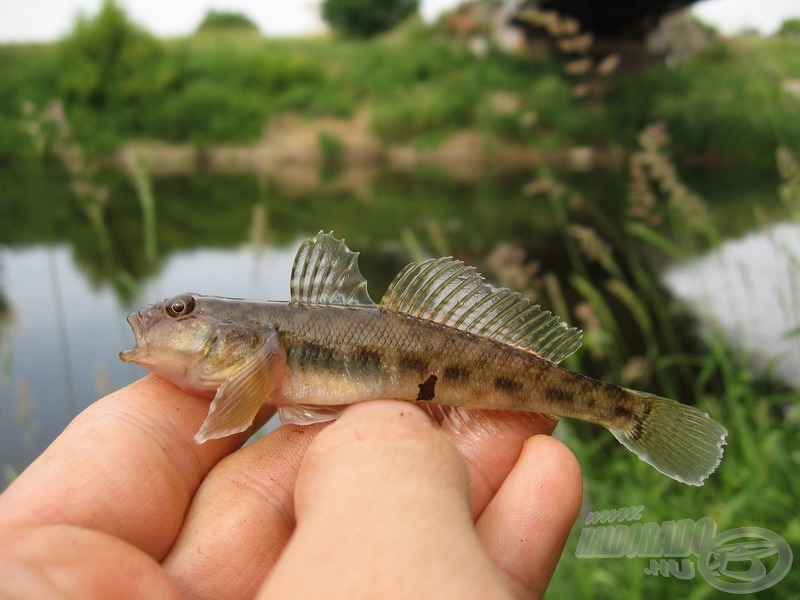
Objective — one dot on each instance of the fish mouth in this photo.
(130, 355)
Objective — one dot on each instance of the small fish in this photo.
(439, 335)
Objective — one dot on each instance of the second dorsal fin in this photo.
(447, 291)
(326, 271)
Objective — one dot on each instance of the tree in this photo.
(790, 28)
(108, 61)
(365, 18)
(222, 20)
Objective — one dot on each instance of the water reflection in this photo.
(750, 289)
(62, 345)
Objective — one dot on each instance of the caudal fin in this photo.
(679, 440)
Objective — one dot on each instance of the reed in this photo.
(667, 221)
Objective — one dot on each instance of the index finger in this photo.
(127, 466)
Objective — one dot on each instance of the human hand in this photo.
(380, 503)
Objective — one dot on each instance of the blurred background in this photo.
(633, 166)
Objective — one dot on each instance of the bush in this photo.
(423, 110)
(790, 28)
(109, 64)
(365, 18)
(221, 20)
(206, 112)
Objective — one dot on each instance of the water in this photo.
(66, 285)
(62, 336)
(749, 288)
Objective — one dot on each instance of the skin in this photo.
(381, 503)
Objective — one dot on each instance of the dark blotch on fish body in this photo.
(558, 395)
(413, 363)
(507, 385)
(622, 411)
(368, 358)
(638, 424)
(456, 373)
(427, 389)
(323, 357)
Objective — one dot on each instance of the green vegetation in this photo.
(419, 85)
(366, 18)
(226, 21)
(108, 70)
(726, 103)
(633, 337)
(790, 27)
(622, 304)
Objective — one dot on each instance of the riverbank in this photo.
(410, 94)
(296, 153)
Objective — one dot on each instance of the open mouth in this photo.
(135, 321)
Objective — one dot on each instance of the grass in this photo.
(624, 312)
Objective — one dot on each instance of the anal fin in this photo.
(305, 414)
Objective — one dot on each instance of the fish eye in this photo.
(180, 306)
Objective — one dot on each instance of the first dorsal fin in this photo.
(447, 291)
(326, 271)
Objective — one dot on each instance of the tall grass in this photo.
(634, 338)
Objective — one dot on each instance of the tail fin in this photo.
(679, 440)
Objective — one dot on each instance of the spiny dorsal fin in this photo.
(326, 271)
(447, 291)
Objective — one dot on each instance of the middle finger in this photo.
(241, 518)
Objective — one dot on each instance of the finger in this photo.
(525, 526)
(241, 518)
(126, 466)
(62, 561)
(490, 442)
(382, 511)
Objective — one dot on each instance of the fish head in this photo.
(179, 340)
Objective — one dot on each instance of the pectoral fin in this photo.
(240, 397)
(301, 414)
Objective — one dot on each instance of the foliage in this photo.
(790, 27)
(108, 62)
(203, 113)
(635, 336)
(28, 80)
(725, 104)
(110, 70)
(424, 109)
(224, 20)
(366, 18)
(634, 329)
(118, 83)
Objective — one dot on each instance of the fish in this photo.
(440, 335)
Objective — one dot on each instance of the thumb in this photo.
(382, 507)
